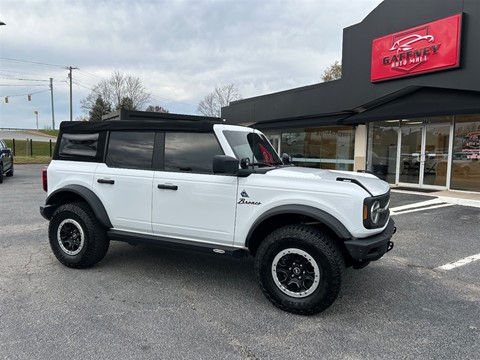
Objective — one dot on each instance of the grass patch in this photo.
(39, 148)
(49, 132)
(38, 154)
(32, 160)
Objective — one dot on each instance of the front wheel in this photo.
(76, 237)
(10, 172)
(299, 269)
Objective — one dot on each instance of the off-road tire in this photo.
(315, 249)
(76, 237)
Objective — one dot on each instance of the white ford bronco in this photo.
(208, 186)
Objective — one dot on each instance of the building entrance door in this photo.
(423, 153)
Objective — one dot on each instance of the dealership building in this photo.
(407, 107)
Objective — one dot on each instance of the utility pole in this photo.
(70, 77)
(51, 95)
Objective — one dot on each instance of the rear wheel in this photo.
(76, 237)
(1, 173)
(300, 269)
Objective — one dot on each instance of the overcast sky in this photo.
(180, 50)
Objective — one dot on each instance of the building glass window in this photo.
(325, 148)
(424, 151)
(466, 153)
(382, 154)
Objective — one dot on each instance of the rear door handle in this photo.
(106, 181)
(167, 187)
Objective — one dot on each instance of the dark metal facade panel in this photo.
(354, 89)
(419, 103)
(307, 122)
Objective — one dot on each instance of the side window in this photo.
(130, 150)
(190, 152)
(81, 145)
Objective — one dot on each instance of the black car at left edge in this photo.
(6, 161)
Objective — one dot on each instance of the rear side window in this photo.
(130, 150)
(79, 145)
(190, 152)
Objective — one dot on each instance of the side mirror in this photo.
(226, 165)
(286, 159)
(245, 163)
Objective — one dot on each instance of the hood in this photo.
(370, 182)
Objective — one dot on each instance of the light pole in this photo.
(51, 96)
(36, 118)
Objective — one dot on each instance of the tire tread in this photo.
(96, 241)
(309, 236)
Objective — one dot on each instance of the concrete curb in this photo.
(460, 201)
(463, 198)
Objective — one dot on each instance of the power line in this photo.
(29, 85)
(32, 62)
(90, 74)
(18, 95)
(76, 83)
(85, 83)
(3, 70)
(22, 79)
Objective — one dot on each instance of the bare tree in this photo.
(212, 104)
(115, 91)
(332, 72)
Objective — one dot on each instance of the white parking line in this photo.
(420, 206)
(458, 263)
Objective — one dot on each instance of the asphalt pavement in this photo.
(144, 302)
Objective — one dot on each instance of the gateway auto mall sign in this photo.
(425, 48)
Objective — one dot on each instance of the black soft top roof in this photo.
(139, 125)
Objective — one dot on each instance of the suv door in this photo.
(124, 182)
(189, 202)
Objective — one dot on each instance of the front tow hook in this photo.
(389, 246)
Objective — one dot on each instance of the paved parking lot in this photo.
(149, 303)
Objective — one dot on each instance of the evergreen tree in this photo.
(99, 109)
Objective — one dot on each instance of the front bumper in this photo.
(373, 247)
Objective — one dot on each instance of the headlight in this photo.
(375, 211)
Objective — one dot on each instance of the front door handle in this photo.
(106, 181)
(167, 187)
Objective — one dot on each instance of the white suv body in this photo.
(214, 187)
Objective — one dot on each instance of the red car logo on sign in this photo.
(406, 43)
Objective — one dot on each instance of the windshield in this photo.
(253, 146)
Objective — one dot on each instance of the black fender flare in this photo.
(322, 216)
(88, 195)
